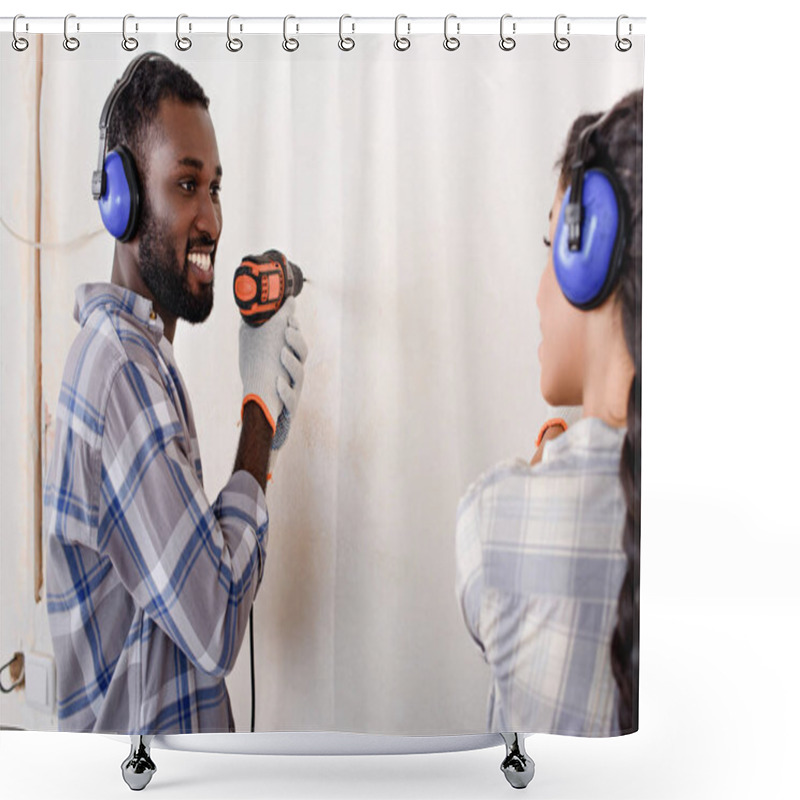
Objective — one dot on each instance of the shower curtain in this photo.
(413, 189)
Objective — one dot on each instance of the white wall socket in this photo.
(40, 682)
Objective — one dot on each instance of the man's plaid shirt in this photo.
(149, 584)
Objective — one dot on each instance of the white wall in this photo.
(24, 622)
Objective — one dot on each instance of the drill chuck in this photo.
(262, 283)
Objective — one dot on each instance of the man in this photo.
(149, 584)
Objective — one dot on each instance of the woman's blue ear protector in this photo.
(590, 235)
(115, 182)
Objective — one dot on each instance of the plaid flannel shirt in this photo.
(539, 569)
(149, 585)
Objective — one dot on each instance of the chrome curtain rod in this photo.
(461, 26)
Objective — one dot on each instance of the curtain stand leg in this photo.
(138, 768)
(517, 766)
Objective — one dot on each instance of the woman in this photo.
(548, 551)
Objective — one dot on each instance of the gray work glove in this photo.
(261, 363)
(293, 357)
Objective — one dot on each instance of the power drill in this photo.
(262, 283)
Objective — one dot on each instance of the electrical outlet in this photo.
(40, 682)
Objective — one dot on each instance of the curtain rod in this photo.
(327, 25)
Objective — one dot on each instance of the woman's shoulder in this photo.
(573, 493)
(494, 476)
(589, 446)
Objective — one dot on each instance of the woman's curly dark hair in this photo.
(617, 146)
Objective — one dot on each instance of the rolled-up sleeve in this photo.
(194, 566)
(469, 562)
(477, 531)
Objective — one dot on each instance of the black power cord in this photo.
(252, 678)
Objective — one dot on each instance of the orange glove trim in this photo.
(254, 398)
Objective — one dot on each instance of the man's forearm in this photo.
(255, 444)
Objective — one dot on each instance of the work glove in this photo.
(265, 378)
(293, 357)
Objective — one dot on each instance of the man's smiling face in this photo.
(181, 212)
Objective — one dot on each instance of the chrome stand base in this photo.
(138, 768)
(517, 766)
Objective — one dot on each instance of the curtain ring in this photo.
(623, 45)
(289, 45)
(234, 45)
(19, 43)
(129, 43)
(401, 42)
(561, 43)
(70, 42)
(183, 43)
(507, 42)
(346, 43)
(451, 42)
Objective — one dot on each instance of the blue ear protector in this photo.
(115, 182)
(590, 234)
(120, 201)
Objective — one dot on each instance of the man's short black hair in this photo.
(137, 106)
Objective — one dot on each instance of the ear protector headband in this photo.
(115, 182)
(590, 234)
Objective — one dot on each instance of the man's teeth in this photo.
(201, 260)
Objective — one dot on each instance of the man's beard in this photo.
(165, 277)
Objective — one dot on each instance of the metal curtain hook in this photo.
(401, 42)
(19, 43)
(507, 42)
(70, 42)
(290, 45)
(346, 42)
(128, 42)
(623, 45)
(233, 44)
(451, 42)
(561, 43)
(183, 43)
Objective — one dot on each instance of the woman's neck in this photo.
(609, 370)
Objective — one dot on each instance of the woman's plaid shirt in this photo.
(539, 569)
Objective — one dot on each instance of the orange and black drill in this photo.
(262, 283)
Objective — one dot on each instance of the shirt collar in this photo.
(588, 433)
(91, 296)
